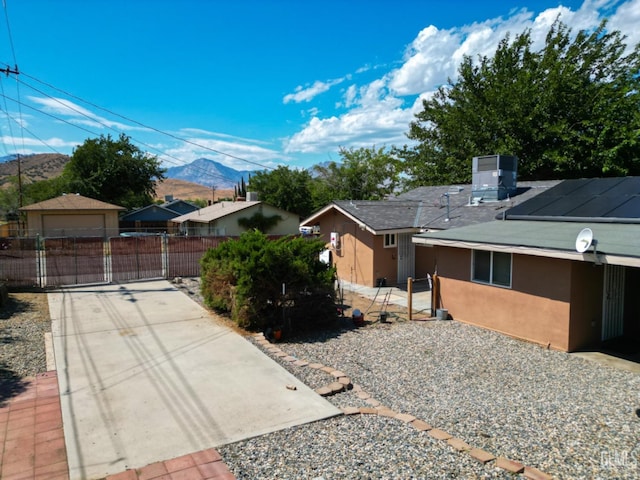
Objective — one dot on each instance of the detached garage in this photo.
(72, 215)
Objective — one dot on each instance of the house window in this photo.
(389, 240)
(493, 268)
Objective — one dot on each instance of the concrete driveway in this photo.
(146, 374)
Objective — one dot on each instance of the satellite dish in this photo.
(584, 240)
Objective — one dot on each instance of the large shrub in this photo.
(264, 283)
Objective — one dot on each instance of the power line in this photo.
(97, 134)
(32, 134)
(15, 71)
(165, 156)
(175, 137)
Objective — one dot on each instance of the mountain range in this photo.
(209, 173)
(202, 171)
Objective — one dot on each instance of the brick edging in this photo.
(342, 383)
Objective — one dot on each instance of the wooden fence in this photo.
(54, 262)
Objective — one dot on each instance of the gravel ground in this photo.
(23, 323)
(553, 411)
(566, 416)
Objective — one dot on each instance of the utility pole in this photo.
(19, 182)
(7, 71)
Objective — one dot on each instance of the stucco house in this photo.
(225, 219)
(156, 218)
(72, 215)
(371, 241)
(527, 276)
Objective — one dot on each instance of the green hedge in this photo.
(244, 279)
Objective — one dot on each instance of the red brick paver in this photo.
(509, 465)
(32, 435)
(32, 442)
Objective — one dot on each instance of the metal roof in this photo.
(215, 211)
(180, 206)
(615, 243)
(150, 213)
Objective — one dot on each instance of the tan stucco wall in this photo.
(354, 256)
(288, 225)
(35, 222)
(425, 261)
(228, 226)
(586, 305)
(536, 308)
(386, 262)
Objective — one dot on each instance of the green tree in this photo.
(570, 110)
(244, 278)
(10, 198)
(285, 188)
(32, 192)
(114, 171)
(258, 221)
(363, 174)
(44, 190)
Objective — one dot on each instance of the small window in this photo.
(389, 240)
(493, 268)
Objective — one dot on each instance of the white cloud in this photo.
(380, 112)
(307, 94)
(198, 132)
(626, 19)
(235, 154)
(25, 141)
(78, 115)
(380, 123)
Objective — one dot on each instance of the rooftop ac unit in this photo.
(494, 176)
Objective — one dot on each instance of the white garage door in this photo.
(82, 225)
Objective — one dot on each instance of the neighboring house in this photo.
(72, 215)
(224, 219)
(156, 218)
(527, 277)
(372, 243)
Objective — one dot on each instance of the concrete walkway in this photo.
(420, 299)
(146, 375)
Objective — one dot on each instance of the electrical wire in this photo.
(15, 63)
(31, 133)
(165, 156)
(128, 119)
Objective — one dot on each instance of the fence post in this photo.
(164, 249)
(106, 252)
(410, 297)
(40, 261)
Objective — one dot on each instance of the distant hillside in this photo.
(198, 177)
(183, 190)
(209, 173)
(33, 167)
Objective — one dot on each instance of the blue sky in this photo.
(251, 84)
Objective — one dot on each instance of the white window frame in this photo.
(491, 266)
(390, 240)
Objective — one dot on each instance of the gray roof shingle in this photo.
(426, 208)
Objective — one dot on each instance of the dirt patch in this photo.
(371, 308)
(24, 320)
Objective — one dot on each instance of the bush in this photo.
(244, 279)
